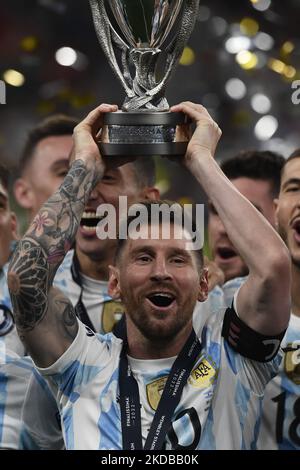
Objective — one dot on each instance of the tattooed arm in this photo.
(45, 318)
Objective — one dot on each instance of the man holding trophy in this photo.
(160, 384)
(219, 382)
(150, 35)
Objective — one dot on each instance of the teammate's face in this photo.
(8, 226)
(45, 173)
(115, 183)
(159, 284)
(288, 208)
(223, 252)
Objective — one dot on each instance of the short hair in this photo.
(293, 156)
(4, 176)
(257, 165)
(144, 171)
(56, 125)
(148, 204)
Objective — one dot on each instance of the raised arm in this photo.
(263, 301)
(45, 318)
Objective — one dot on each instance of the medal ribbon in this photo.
(130, 398)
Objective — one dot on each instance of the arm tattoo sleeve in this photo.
(44, 246)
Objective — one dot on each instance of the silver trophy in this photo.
(143, 41)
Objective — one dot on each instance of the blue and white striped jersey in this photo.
(280, 426)
(15, 373)
(10, 340)
(219, 409)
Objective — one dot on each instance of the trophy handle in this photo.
(106, 31)
(147, 92)
(175, 49)
(160, 39)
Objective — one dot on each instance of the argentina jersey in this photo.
(101, 310)
(8, 332)
(224, 391)
(280, 426)
(15, 373)
(218, 298)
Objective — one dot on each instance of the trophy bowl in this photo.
(143, 41)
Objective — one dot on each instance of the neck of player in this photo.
(141, 347)
(295, 289)
(95, 267)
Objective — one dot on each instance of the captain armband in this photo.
(247, 342)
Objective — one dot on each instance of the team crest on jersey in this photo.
(292, 362)
(154, 391)
(204, 374)
(111, 314)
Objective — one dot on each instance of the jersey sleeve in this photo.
(86, 357)
(40, 416)
(218, 298)
(252, 357)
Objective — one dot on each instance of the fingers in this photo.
(197, 113)
(94, 119)
(193, 110)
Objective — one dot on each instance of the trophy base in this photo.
(144, 134)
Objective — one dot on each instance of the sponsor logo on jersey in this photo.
(292, 362)
(204, 374)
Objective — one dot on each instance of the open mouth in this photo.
(89, 221)
(296, 226)
(226, 253)
(161, 299)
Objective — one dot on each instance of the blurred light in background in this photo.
(235, 88)
(247, 60)
(284, 146)
(276, 65)
(266, 127)
(263, 41)
(188, 56)
(289, 71)
(236, 44)
(249, 26)
(261, 5)
(261, 103)
(203, 13)
(14, 78)
(29, 43)
(219, 25)
(66, 56)
(287, 48)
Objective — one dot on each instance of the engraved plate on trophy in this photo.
(143, 41)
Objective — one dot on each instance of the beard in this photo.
(161, 327)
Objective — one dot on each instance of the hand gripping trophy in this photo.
(151, 36)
